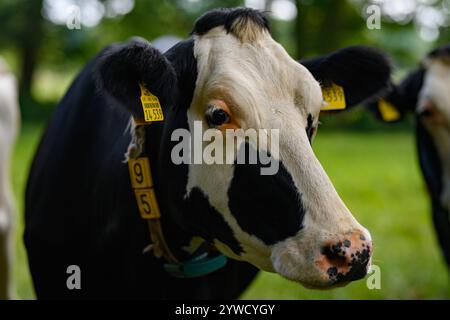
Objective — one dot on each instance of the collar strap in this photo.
(203, 261)
(197, 266)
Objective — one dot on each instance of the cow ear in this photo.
(400, 99)
(122, 68)
(389, 108)
(362, 72)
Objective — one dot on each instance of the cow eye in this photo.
(426, 113)
(310, 129)
(216, 116)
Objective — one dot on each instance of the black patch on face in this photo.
(207, 222)
(268, 207)
(226, 17)
(309, 128)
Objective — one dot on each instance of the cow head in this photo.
(424, 93)
(232, 75)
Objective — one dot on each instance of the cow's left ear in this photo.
(122, 68)
(362, 72)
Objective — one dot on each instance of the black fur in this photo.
(181, 56)
(309, 128)
(363, 72)
(443, 51)
(80, 208)
(226, 17)
(122, 67)
(271, 209)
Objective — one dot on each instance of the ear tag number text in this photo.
(150, 106)
(334, 97)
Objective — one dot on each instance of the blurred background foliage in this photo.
(46, 53)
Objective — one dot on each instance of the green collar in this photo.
(196, 267)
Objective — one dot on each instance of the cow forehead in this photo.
(257, 73)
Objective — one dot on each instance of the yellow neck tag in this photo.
(150, 106)
(142, 183)
(334, 97)
(388, 111)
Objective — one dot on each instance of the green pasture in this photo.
(377, 176)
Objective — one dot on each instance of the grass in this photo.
(378, 178)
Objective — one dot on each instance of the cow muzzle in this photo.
(331, 260)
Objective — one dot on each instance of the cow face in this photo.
(230, 76)
(433, 108)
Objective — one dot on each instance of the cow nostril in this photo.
(357, 271)
(425, 113)
(348, 259)
(336, 254)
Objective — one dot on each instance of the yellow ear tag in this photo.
(150, 106)
(388, 111)
(334, 97)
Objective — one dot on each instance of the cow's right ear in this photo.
(121, 68)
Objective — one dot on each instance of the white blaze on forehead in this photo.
(265, 89)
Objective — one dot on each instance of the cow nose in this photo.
(347, 259)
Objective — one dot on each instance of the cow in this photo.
(83, 213)
(9, 125)
(425, 93)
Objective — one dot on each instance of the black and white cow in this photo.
(9, 124)
(229, 74)
(425, 92)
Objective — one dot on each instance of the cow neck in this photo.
(205, 260)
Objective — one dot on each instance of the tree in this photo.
(29, 43)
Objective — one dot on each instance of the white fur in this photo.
(9, 119)
(267, 89)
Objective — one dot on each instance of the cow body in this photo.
(9, 123)
(89, 210)
(425, 94)
(80, 206)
